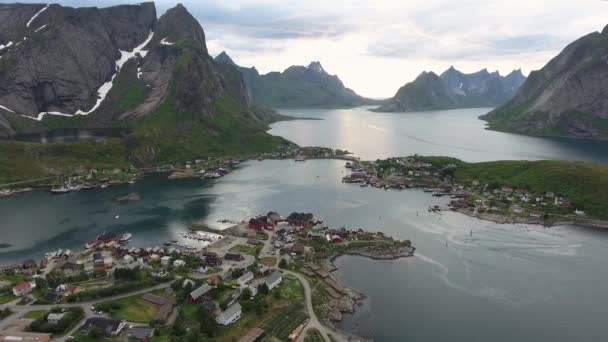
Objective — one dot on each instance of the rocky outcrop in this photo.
(454, 89)
(567, 97)
(297, 86)
(56, 58)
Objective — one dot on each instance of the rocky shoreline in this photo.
(347, 300)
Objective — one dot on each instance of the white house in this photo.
(273, 280)
(23, 288)
(179, 263)
(54, 318)
(128, 259)
(245, 278)
(165, 260)
(230, 315)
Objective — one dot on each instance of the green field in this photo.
(251, 250)
(313, 335)
(268, 261)
(35, 314)
(284, 321)
(7, 297)
(132, 309)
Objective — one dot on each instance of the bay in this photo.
(455, 133)
(469, 281)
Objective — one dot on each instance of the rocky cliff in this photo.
(567, 97)
(297, 86)
(454, 89)
(121, 66)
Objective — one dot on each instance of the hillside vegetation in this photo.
(585, 184)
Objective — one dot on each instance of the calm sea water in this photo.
(456, 133)
(490, 283)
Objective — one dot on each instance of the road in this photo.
(20, 310)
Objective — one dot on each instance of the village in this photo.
(500, 203)
(266, 278)
(202, 168)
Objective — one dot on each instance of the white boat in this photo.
(212, 175)
(125, 237)
(60, 190)
(300, 158)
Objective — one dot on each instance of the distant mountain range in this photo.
(297, 87)
(454, 89)
(567, 97)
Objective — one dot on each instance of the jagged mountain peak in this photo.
(605, 30)
(223, 57)
(564, 98)
(316, 66)
(178, 23)
(454, 89)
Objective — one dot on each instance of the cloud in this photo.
(377, 46)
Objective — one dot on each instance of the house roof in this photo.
(245, 277)
(107, 325)
(141, 332)
(200, 291)
(156, 300)
(23, 286)
(253, 335)
(55, 316)
(273, 277)
(229, 312)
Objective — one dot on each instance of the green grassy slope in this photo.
(585, 184)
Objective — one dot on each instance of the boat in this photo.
(116, 217)
(125, 237)
(348, 165)
(363, 185)
(212, 175)
(300, 158)
(428, 190)
(60, 190)
(103, 186)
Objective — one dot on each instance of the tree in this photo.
(95, 332)
(263, 289)
(246, 293)
(283, 263)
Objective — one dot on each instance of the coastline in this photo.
(344, 300)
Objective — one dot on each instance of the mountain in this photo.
(454, 89)
(567, 97)
(297, 87)
(120, 66)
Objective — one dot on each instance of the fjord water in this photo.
(469, 281)
(455, 133)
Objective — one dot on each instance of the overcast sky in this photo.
(377, 46)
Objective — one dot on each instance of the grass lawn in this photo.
(132, 309)
(34, 314)
(291, 289)
(188, 311)
(251, 250)
(268, 261)
(14, 278)
(7, 297)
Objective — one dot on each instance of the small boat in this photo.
(428, 190)
(300, 158)
(116, 217)
(60, 190)
(125, 237)
(103, 186)
(363, 185)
